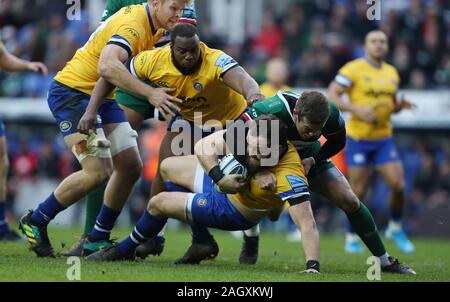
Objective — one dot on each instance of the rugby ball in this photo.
(230, 166)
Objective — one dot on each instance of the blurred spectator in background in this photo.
(276, 77)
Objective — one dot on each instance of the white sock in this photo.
(384, 260)
(161, 233)
(351, 237)
(253, 232)
(394, 226)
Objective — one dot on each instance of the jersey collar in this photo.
(152, 26)
(372, 63)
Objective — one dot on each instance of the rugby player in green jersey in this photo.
(323, 176)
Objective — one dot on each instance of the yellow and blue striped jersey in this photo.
(370, 86)
(202, 91)
(131, 28)
(291, 184)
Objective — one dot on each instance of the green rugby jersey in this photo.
(282, 106)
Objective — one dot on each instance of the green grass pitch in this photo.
(279, 260)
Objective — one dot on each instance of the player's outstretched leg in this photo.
(147, 226)
(94, 201)
(6, 234)
(335, 188)
(393, 173)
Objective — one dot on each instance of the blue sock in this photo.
(200, 234)
(104, 224)
(3, 223)
(148, 226)
(175, 188)
(396, 215)
(46, 211)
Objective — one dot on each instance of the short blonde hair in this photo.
(187, 3)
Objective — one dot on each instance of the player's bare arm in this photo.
(240, 81)
(335, 92)
(206, 151)
(9, 62)
(401, 104)
(303, 217)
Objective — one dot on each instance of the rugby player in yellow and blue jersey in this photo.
(9, 62)
(246, 202)
(211, 85)
(94, 199)
(372, 85)
(96, 69)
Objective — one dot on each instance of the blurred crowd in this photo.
(316, 37)
(38, 31)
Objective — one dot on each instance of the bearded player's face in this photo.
(186, 51)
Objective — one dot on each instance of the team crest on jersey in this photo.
(198, 86)
(65, 126)
(201, 202)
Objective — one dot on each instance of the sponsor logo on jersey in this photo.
(224, 60)
(65, 126)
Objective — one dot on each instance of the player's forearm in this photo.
(100, 92)
(304, 219)
(117, 74)
(9, 62)
(335, 92)
(335, 143)
(240, 81)
(206, 155)
(208, 149)
(251, 90)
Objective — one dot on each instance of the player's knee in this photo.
(164, 168)
(130, 169)
(156, 204)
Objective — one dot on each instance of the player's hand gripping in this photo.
(266, 180)
(232, 183)
(308, 163)
(88, 123)
(163, 101)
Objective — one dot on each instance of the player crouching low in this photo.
(246, 202)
